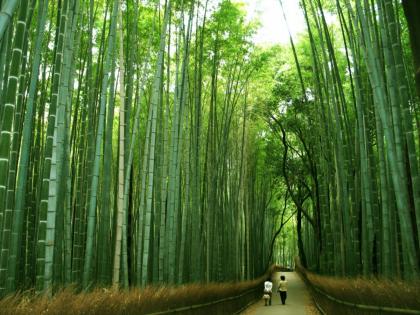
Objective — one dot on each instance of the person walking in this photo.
(283, 289)
(268, 287)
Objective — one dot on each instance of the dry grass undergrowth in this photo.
(136, 301)
(365, 291)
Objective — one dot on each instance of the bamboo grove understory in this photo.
(146, 142)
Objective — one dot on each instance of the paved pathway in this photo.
(297, 298)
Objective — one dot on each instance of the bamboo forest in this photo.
(156, 143)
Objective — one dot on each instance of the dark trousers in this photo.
(269, 300)
(283, 296)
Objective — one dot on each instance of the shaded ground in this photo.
(298, 300)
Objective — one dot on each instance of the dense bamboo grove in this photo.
(127, 153)
(350, 138)
(149, 142)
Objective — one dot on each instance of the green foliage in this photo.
(217, 157)
(123, 199)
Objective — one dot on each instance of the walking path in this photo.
(298, 299)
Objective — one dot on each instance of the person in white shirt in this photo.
(268, 287)
(283, 289)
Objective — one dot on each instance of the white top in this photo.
(268, 286)
(283, 285)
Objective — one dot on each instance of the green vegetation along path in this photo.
(298, 299)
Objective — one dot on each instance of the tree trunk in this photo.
(412, 12)
(302, 255)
